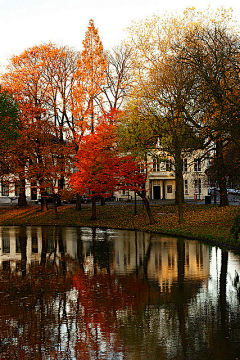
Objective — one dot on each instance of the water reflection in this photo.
(80, 293)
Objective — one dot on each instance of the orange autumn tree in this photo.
(38, 81)
(90, 78)
(102, 168)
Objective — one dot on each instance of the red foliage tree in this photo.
(102, 168)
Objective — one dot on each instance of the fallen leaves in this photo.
(202, 222)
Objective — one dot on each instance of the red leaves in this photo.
(101, 167)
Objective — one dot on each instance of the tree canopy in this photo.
(185, 93)
(9, 120)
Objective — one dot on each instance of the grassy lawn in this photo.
(203, 222)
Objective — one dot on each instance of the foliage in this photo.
(101, 168)
(34, 79)
(90, 77)
(8, 118)
(163, 102)
(186, 86)
(229, 165)
(211, 49)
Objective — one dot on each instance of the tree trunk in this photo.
(221, 173)
(179, 187)
(94, 209)
(44, 206)
(142, 194)
(78, 202)
(135, 203)
(61, 185)
(22, 201)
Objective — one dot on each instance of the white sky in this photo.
(25, 23)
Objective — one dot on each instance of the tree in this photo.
(211, 49)
(40, 81)
(8, 118)
(186, 87)
(229, 168)
(102, 169)
(59, 70)
(118, 76)
(90, 78)
(164, 98)
(9, 123)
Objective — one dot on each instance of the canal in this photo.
(82, 293)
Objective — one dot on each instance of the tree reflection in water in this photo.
(94, 294)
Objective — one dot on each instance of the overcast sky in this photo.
(25, 23)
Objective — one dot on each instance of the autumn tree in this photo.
(59, 70)
(40, 81)
(90, 78)
(229, 167)
(163, 103)
(211, 49)
(102, 169)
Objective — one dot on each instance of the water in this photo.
(80, 293)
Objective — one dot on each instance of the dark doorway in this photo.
(156, 192)
(33, 193)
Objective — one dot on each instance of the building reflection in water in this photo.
(129, 292)
(121, 252)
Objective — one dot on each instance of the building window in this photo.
(5, 189)
(17, 188)
(185, 186)
(198, 186)
(185, 165)
(169, 189)
(197, 164)
(156, 164)
(169, 165)
(195, 186)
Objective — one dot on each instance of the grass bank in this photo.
(203, 222)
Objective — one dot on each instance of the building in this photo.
(160, 184)
(161, 181)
